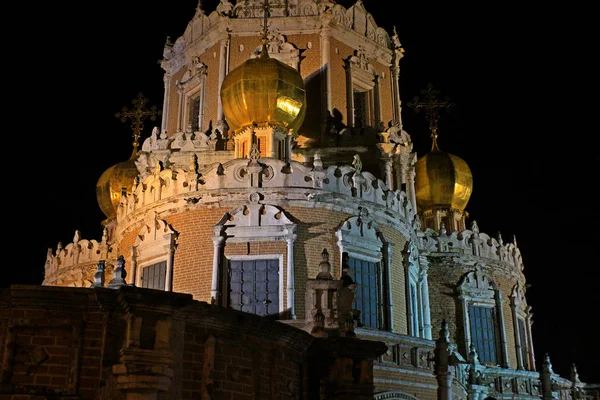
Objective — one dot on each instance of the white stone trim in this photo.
(393, 394)
(360, 238)
(520, 311)
(478, 289)
(256, 222)
(155, 242)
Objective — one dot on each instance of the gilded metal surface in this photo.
(117, 178)
(263, 90)
(442, 179)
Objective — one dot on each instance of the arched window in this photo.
(483, 318)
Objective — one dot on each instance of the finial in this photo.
(357, 163)
(254, 153)
(473, 356)
(317, 162)
(574, 374)
(547, 366)
(432, 105)
(264, 53)
(475, 227)
(324, 266)
(442, 229)
(119, 274)
(137, 116)
(99, 275)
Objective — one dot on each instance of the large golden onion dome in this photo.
(113, 182)
(442, 180)
(262, 90)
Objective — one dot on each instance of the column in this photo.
(166, 103)
(349, 95)
(388, 254)
(290, 275)
(134, 276)
(180, 109)
(502, 330)
(202, 102)
(395, 71)
(528, 324)
(377, 102)
(214, 287)
(426, 310)
(326, 66)
(387, 172)
(518, 343)
(411, 188)
(466, 323)
(223, 61)
(169, 272)
(288, 147)
(442, 367)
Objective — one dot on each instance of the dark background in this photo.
(518, 75)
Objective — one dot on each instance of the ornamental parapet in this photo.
(76, 263)
(316, 183)
(470, 242)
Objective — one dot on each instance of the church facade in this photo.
(279, 205)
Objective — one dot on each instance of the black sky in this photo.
(518, 75)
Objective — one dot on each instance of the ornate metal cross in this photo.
(432, 105)
(137, 116)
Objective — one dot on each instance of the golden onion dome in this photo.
(113, 182)
(442, 180)
(262, 90)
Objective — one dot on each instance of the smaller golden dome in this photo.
(263, 90)
(113, 182)
(442, 180)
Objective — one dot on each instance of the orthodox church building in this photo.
(278, 236)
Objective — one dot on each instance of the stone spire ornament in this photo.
(120, 274)
(324, 266)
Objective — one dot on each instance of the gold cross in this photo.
(432, 106)
(137, 116)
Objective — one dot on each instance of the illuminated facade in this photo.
(281, 175)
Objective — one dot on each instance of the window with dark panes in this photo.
(366, 276)
(154, 276)
(483, 332)
(361, 108)
(254, 286)
(194, 119)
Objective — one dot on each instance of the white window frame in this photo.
(360, 238)
(255, 222)
(361, 75)
(478, 289)
(155, 242)
(191, 85)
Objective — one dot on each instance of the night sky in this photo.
(518, 77)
